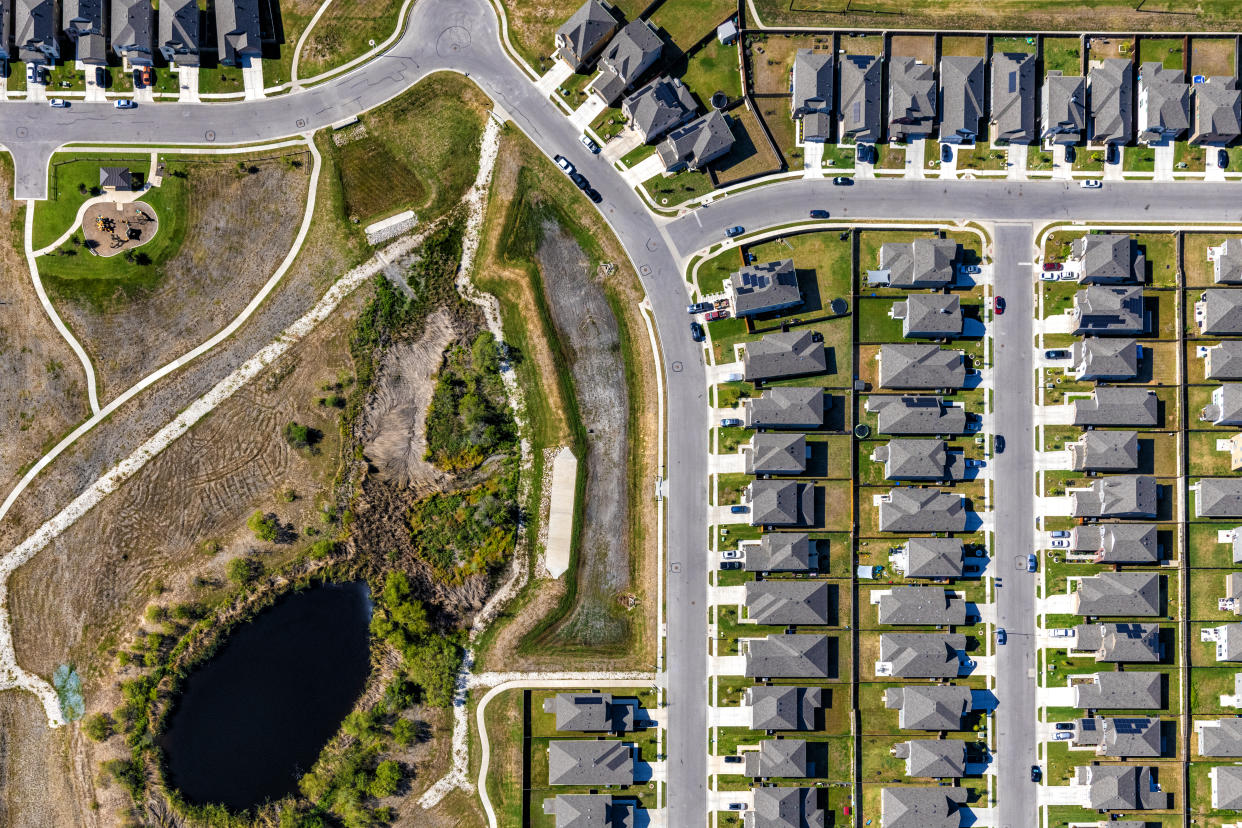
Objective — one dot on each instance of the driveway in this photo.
(813, 160)
(588, 112)
(1016, 156)
(644, 170)
(187, 85)
(948, 169)
(252, 78)
(553, 78)
(915, 153)
(1164, 161)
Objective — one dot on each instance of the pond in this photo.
(253, 719)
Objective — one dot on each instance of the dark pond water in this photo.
(254, 718)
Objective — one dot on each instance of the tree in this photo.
(245, 570)
(98, 727)
(301, 436)
(387, 779)
(404, 732)
(265, 527)
(433, 663)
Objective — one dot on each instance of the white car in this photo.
(1063, 632)
(125, 103)
(731, 554)
(1062, 735)
(588, 143)
(734, 377)
(1091, 184)
(59, 103)
(1047, 276)
(563, 163)
(1060, 544)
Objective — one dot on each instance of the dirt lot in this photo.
(1103, 48)
(220, 267)
(1212, 56)
(923, 48)
(771, 59)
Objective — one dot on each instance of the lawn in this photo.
(1064, 54)
(1205, 458)
(72, 180)
(981, 157)
(1037, 158)
(219, 80)
(669, 191)
(291, 19)
(1194, 257)
(1187, 156)
(687, 21)
(1138, 159)
(751, 154)
(1163, 50)
(963, 46)
(345, 32)
(713, 69)
(1024, 45)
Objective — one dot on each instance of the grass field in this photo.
(1064, 54)
(713, 69)
(69, 176)
(345, 31)
(687, 21)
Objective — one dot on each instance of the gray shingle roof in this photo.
(922, 655)
(911, 98)
(697, 143)
(767, 286)
(922, 263)
(35, 30)
(929, 315)
(910, 509)
(933, 758)
(779, 757)
(781, 503)
(1105, 359)
(1118, 407)
(780, 552)
(589, 712)
(1226, 787)
(1110, 89)
(1227, 267)
(663, 104)
(1218, 497)
(859, 109)
(783, 707)
(922, 807)
(1218, 111)
(1119, 594)
(919, 459)
(631, 51)
(1131, 690)
(1116, 643)
(780, 807)
(590, 762)
(581, 37)
(934, 558)
(179, 31)
(1105, 451)
(961, 101)
(905, 605)
(1122, 787)
(787, 602)
(787, 407)
(1120, 737)
(812, 83)
(1065, 108)
(81, 17)
(1013, 96)
(133, 24)
(787, 656)
(590, 811)
(237, 30)
(921, 366)
(1109, 311)
(1116, 543)
(1108, 259)
(1224, 360)
(1222, 737)
(1226, 405)
(776, 453)
(118, 178)
(916, 415)
(1222, 311)
(785, 354)
(939, 707)
(1118, 496)
(1163, 102)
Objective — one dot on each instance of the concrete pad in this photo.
(187, 85)
(649, 167)
(727, 665)
(1211, 171)
(1061, 170)
(813, 160)
(726, 463)
(1116, 172)
(1055, 415)
(948, 169)
(728, 595)
(1052, 460)
(1059, 506)
(621, 145)
(252, 78)
(561, 512)
(728, 716)
(94, 91)
(1060, 324)
(1079, 795)
(554, 77)
(1054, 696)
(1061, 604)
(1016, 158)
(717, 373)
(1164, 161)
(916, 151)
(36, 92)
(588, 112)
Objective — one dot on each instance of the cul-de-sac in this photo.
(620, 414)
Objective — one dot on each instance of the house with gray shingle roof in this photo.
(812, 97)
(1065, 108)
(1119, 594)
(783, 552)
(785, 758)
(1117, 543)
(1101, 310)
(133, 31)
(590, 712)
(909, 509)
(1116, 787)
(920, 655)
(940, 807)
(781, 807)
(180, 22)
(584, 34)
(1218, 111)
(911, 99)
(1226, 787)
(35, 31)
(1118, 407)
(662, 105)
(1120, 738)
(858, 113)
(787, 407)
(784, 354)
(1110, 90)
(932, 558)
(6, 29)
(1218, 497)
(924, 707)
(921, 366)
(787, 602)
(1219, 311)
(84, 25)
(1105, 451)
(1013, 97)
(919, 605)
(922, 263)
(1117, 496)
(787, 656)
(929, 316)
(1220, 737)
(781, 503)
(782, 707)
(590, 762)
(961, 99)
(1225, 407)
(933, 758)
(1129, 690)
(1163, 103)
(1106, 359)
(776, 453)
(1228, 638)
(626, 57)
(762, 288)
(1115, 643)
(1108, 259)
(1223, 361)
(919, 459)
(591, 811)
(1227, 262)
(901, 414)
(238, 35)
(697, 144)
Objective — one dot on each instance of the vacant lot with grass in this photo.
(344, 32)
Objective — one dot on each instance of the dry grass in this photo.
(1212, 56)
(751, 153)
(344, 32)
(771, 60)
(915, 46)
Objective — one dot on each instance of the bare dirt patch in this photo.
(771, 59)
(1212, 56)
(915, 46)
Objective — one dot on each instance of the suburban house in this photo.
(1163, 103)
(1130, 690)
(781, 807)
(961, 99)
(812, 94)
(590, 762)
(1013, 97)
(920, 655)
(783, 707)
(933, 758)
(784, 354)
(662, 105)
(783, 552)
(591, 811)
(1065, 108)
(1108, 259)
(1106, 451)
(760, 288)
(1120, 738)
(1227, 262)
(1110, 90)
(1218, 497)
(919, 459)
(922, 807)
(1119, 594)
(911, 99)
(787, 656)
(915, 415)
(590, 712)
(930, 558)
(1228, 639)
(1233, 593)
(923, 366)
(1117, 543)
(239, 38)
(858, 110)
(1117, 496)
(906, 509)
(1115, 643)
(1219, 311)
(1220, 737)
(787, 602)
(583, 35)
(784, 758)
(696, 144)
(1101, 310)
(922, 263)
(801, 408)
(1118, 407)
(929, 315)
(1218, 111)
(83, 22)
(1226, 405)
(903, 606)
(1117, 787)
(929, 707)
(775, 453)
(781, 503)
(179, 32)
(133, 31)
(1106, 359)
(1226, 787)
(630, 53)
(35, 31)
(1223, 361)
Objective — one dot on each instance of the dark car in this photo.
(1112, 155)
(862, 154)
(730, 564)
(946, 153)
(998, 442)
(999, 304)
(733, 232)
(1070, 154)
(739, 509)
(1056, 354)
(1053, 267)
(819, 214)
(733, 760)
(1036, 773)
(580, 180)
(699, 307)
(594, 195)
(842, 181)
(1065, 725)
(1001, 635)
(696, 331)
(1222, 159)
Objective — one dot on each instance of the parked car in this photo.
(842, 181)
(998, 303)
(731, 554)
(1060, 543)
(1091, 184)
(1032, 562)
(1059, 533)
(971, 269)
(1111, 154)
(1062, 736)
(734, 232)
(730, 564)
(1036, 773)
(721, 304)
(148, 76)
(1065, 725)
(733, 760)
(1222, 159)
(699, 307)
(734, 376)
(125, 103)
(739, 509)
(588, 143)
(32, 73)
(737, 806)
(1063, 632)
(563, 163)
(862, 154)
(975, 464)
(998, 444)
(712, 316)
(1056, 353)
(946, 153)
(1053, 267)
(1048, 277)
(1001, 636)
(1070, 154)
(59, 103)
(594, 195)
(819, 214)
(696, 332)
(730, 422)
(580, 181)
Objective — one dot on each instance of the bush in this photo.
(265, 527)
(404, 732)
(127, 773)
(302, 436)
(387, 779)
(433, 663)
(98, 727)
(245, 570)
(468, 418)
(321, 549)
(157, 614)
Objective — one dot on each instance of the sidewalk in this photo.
(252, 77)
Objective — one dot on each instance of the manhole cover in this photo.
(676, 367)
(451, 40)
(645, 270)
(301, 122)
(210, 135)
(22, 132)
(674, 567)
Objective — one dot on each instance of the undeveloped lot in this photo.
(771, 59)
(344, 32)
(915, 46)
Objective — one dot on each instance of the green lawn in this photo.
(220, 79)
(1167, 51)
(674, 189)
(686, 21)
(1064, 54)
(1138, 159)
(713, 69)
(1192, 155)
(69, 176)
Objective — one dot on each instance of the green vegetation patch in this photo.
(469, 418)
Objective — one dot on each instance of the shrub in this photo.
(301, 436)
(404, 732)
(433, 663)
(127, 773)
(265, 527)
(157, 614)
(245, 570)
(387, 779)
(98, 727)
(321, 549)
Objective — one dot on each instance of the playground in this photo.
(115, 227)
